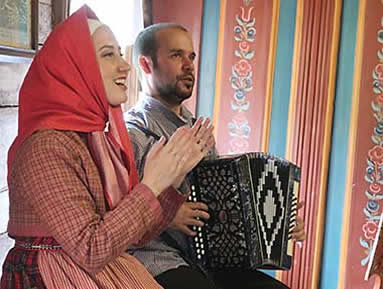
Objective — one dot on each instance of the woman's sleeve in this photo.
(170, 201)
(55, 183)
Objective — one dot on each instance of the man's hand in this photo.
(190, 214)
(299, 233)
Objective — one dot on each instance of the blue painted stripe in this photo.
(282, 81)
(338, 158)
(282, 78)
(208, 58)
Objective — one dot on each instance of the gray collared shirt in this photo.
(151, 114)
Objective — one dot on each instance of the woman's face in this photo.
(114, 70)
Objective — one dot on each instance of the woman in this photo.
(75, 201)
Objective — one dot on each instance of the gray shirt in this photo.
(151, 114)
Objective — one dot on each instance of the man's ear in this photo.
(146, 64)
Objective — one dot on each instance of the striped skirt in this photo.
(40, 263)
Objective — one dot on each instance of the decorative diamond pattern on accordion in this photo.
(252, 201)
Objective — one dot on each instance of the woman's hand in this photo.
(167, 164)
(200, 144)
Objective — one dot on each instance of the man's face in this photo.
(173, 70)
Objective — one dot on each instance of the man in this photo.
(165, 54)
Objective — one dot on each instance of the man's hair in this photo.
(146, 42)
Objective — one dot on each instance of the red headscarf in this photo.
(63, 90)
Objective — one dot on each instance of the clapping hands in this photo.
(168, 163)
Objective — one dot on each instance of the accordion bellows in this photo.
(252, 200)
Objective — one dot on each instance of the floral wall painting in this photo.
(242, 75)
(366, 195)
(374, 160)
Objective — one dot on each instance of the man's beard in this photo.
(171, 93)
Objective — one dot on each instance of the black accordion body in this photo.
(252, 200)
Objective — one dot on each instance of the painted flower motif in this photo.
(239, 95)
(374, 188)
(376, 154)
(242, 68)
(370, 174)
(244, 46)
(251, 34)
(369, 230)
(379, 128)
(372, 206)
(237, 29)
(247, 82)
(379, 71)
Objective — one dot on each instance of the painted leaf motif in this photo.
(377, 90)
(365, 260)
(239, 20)
(367, 213)
(380, 55)
(375, 107)
(370, 164)
(374, 76)
(234, 72)
(375, 139)
(251, 23)
(369, 179)
(250, 55)
(368, 194)
(234, 83)
(237, 53)
(364, 243)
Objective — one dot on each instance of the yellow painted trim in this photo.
(317, 263)
(270, 75)
(352, 143)
(218, 76)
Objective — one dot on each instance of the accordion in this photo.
(252, 200)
